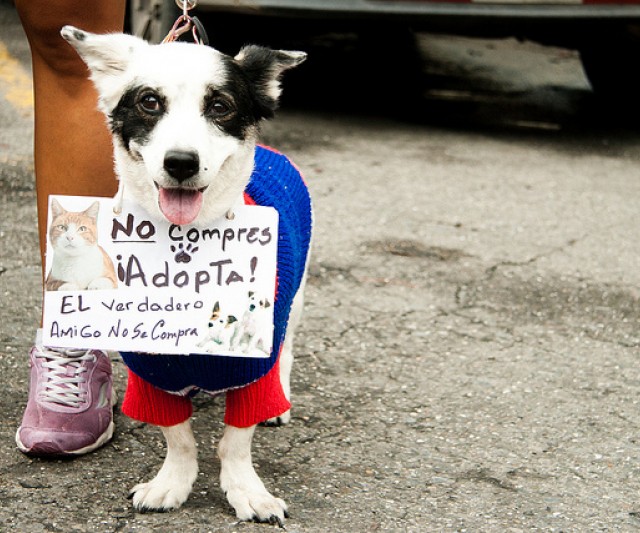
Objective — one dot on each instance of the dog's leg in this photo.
(172, 485)
(286, 362)
(244, 490)
(286, 356)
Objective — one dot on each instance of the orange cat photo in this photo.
(79, 262)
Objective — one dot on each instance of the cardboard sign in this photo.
(130, 282)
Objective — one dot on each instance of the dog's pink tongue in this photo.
(180, 206)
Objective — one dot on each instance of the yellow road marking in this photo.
(15, 82)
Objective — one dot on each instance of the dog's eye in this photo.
(151, 104)
(219, 108)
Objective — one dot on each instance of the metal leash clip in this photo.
(186, 23)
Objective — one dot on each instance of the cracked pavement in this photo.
(468, 356)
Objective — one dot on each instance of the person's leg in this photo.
(72, 149)
(69, 410)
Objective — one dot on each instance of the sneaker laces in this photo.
(63, 375)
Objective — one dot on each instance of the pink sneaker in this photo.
(70, 405)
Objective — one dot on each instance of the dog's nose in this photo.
(181, 165)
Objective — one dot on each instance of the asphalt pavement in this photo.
(468, 359)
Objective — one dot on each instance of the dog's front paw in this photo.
(160, 495)
(172, 485)
(257, 505)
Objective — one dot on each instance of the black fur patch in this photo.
(245, 92)
(257, 71)
(262, 67)
(129, 122)
(250, 103)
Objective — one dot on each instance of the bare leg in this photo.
(73, 151)
(244, 489)
(172, 485)
(73, 155)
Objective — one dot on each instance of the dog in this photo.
(255, 322)
(185, 120)
(222, 332)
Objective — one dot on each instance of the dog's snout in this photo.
(181, 165)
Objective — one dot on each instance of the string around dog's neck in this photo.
(117, 199)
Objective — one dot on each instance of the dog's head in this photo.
(256, 302)
(184, 117)
(219, 322)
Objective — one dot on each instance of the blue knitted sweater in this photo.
(275, 182)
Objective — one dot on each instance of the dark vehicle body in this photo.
(607, 33)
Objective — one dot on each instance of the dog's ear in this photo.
(105, 55)
(264, 67)
(231, 319)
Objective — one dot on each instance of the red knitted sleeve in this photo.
(257, 402)
(146, 403)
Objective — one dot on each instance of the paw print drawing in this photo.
(183, 255)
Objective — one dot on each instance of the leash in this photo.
(186, 23)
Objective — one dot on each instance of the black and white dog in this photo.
(184, 119)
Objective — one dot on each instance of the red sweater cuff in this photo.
(257, 402)
(146, 403)
(245, 407)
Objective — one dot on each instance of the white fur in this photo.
(239, 481)
(172, 485)
(117, 62)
